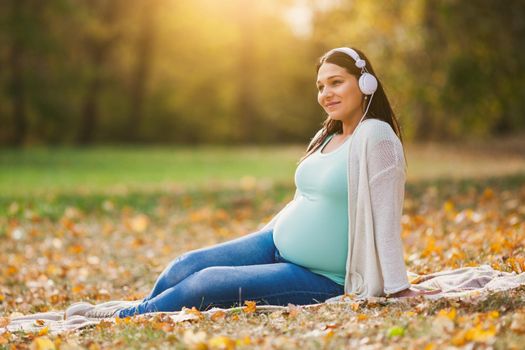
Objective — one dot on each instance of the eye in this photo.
(337, 82)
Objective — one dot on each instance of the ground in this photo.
(100, 224)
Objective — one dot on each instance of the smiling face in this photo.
(338, 93)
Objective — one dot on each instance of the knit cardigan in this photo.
(376, 186)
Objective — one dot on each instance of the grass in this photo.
(32, 172)
(148, 205)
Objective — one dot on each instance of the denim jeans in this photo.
(227, 274)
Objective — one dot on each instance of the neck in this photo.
(350, 124)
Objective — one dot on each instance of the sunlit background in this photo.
(243, 71)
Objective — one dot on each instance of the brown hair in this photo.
(379, 108)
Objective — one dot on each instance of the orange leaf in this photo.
(250, 306)
(218, 315)
(44, 331)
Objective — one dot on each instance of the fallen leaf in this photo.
(42, 343)
(518, 323)
(222, 342)
(218, 315)
(250, 307)
(395, 331)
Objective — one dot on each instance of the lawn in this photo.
(100, 223)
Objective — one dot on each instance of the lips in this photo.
(331, 104)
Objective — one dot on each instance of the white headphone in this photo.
(367, 82)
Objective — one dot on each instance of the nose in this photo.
(326, 91)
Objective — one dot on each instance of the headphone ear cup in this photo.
(367, 84)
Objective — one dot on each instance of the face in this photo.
(338, 93)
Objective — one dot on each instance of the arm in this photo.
(387, 189)
(387, 195)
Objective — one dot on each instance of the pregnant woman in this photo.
(341, 232)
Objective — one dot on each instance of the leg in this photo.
(252, 249)
(225, 286)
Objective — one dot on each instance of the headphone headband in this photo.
(359, 63)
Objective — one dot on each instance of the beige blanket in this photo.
(459, 283)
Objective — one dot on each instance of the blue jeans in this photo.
(227, 274)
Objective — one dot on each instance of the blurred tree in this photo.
(18, 12)
(101, 32)
(144, 46)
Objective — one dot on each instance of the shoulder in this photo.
(376, 137)
(375, 130)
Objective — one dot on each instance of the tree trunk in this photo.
(246, 107)
(142, 69)
(17, 86)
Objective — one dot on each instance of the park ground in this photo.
(95, 224)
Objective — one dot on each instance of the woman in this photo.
(341, 232)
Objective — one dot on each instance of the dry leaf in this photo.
(218, 315)
(518, 323)
(222, 342)
(250, 306)
(4, 321)
(42, 343)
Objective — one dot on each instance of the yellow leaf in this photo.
(362, 317)
(480, 335)
(328, 336)
(4, 321)
(493, 314)
(250, 306)
(450, 314)
(430, 346)
(42, 343)
(222, 342)
(355, 306)
(448, 206)
(44, 331)
(244, 341)
(94, 346)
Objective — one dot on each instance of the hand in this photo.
(408, 293)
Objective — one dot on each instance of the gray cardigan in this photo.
(376, 186)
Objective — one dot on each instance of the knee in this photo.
(176, 269)
(209, 276)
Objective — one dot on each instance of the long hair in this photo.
(379, 108)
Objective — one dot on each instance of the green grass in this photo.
(102, 169)
(44, 171)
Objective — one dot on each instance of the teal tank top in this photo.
(313, 230)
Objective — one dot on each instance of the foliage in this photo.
(237, 71)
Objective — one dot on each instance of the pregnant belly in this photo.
(314, 235)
